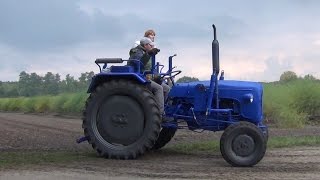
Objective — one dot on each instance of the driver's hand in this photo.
(158, 79)
(169, 82)
(149, 76)
(156, 76)
(154, 51)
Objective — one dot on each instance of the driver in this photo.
(143, 52)
(151, 34)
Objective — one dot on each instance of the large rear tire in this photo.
(243, 144)
(121, 119)
(165, 136)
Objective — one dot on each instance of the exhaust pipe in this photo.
(215, 52)
(213, 89)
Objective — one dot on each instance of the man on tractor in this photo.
(143, 52)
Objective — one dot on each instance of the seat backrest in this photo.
(122, 69)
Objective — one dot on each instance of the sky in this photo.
(259, 40)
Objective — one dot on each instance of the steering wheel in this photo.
(170, 75)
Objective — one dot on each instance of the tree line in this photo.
(288, 76)
(32, 84)
(50, 84)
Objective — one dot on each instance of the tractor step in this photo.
(82, 139)
(221, 110)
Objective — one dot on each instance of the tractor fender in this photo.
(103, 77)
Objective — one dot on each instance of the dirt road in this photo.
(22, 132)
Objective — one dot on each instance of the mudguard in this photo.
(103, 77)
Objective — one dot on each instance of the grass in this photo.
(14, 159)
(275, 142)
(63, 103)
(289, 104)
(287, 142)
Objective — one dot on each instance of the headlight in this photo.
(248, 98)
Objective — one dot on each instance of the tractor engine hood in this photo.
(224, 86)
(248, 95)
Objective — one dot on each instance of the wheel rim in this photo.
(119, 121)
(243, 145)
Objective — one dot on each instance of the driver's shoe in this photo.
(167, 119)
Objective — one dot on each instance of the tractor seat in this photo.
(121, 69)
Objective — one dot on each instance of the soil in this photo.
(37, 133)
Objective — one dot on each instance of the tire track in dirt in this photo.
(293, 163)
(24, 125)
(298, 162)
(31, 132)
(23, 132)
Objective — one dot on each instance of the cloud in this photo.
(56, 25)
(48, 25)
(316, 42)
(258, 40)
(275, 67)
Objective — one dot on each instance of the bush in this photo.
(57, 102)
(4, 104)
(42, 104)
(14, 104)
(290, 118)
(28, 105)
(306, 97)
(288, 76)
(289, 104)
(75, 103)
(275, 97)
(64, 103)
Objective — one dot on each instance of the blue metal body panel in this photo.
(189, 102)
(125, 72)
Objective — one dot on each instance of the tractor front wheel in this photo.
(243, 144)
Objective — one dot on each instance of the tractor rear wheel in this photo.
(166, 134)
(121, 119)
(243, 144)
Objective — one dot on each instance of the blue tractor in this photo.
(121, 118)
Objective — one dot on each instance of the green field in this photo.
(63, 103)
(285, 104)
(291, 104)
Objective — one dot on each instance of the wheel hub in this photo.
(243, 145)
(119, 120)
